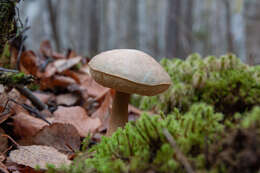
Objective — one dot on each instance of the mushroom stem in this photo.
(119, 115)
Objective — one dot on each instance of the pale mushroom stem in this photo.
(119, 116)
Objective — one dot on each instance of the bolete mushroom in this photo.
(127, 71)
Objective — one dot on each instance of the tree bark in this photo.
(7, 24)
(173, 29)
(189, 24)
(94, 28)
(229, 36)
(54, 26)
(252, 27)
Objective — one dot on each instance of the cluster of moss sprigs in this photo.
(226, 83)
(12, 78)
(142, 146)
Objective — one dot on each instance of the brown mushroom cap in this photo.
(129, 71)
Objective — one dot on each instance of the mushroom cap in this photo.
(129, 71)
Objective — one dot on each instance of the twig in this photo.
(28, 94)
(9, 137)
(179, 154)
(20, 53)
(8, 70)
(31, 110)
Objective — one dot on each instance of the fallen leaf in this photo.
(56, 81)
(38, 156)
(57, 55)
(3, 141)
(62, 81)
(85, 69)
(27, 169)
(71, 54)
(67, 99)
(43, 97)
(63, 137)
(15, 168)
(45, 48)
(94, 89)
(78, 117)
(65, 64)
(78, 89)
(134, 110)
(103, 94)
(13, 57)
(74, 75)
(104, 111)
(26, 125)
(3, 168)
(28, 63)
(5, 115)
(49, 71)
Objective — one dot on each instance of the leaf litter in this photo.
(77, 107)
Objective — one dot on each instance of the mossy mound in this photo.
(210, 115)
(142, 146)
(199, 133)
(225, 83)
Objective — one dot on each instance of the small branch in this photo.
(53, 20)
(11, 139)
(179, 154)
(20, 53)
(31, 110)
(28, 94)
(8, 70)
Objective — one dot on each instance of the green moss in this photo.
(10, 78)
(142, 146)
(5, 57)
(211, 100)
(226, 83)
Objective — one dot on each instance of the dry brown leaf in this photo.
(94, 89)
(43, 97)
(78, 117)
(37, 155)
(103, 111)
(103, 94)
(134, 110)
(3, 141)
(62, 81)
(13, 57)
(56, 81)
(49, 71)
(71, 54)
(63, 137)
(74, 75)
(28, 62)
(26, 125)
(81, 91)
(45, 48)
(85, 69)
(57, 55)
(67, 99)
(65, 64)
(5, 115)
(3, 168)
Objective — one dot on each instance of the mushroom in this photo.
(127, 71)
